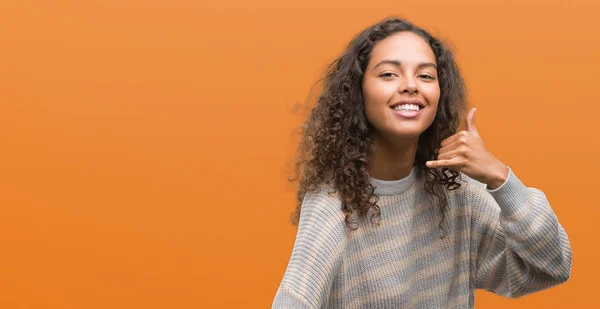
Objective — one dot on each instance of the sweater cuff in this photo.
(511, 196)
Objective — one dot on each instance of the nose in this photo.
(408, 85)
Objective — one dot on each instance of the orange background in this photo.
(143, 144)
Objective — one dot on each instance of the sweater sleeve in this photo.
(521, 246)
(316, 255)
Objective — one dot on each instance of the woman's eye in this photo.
(426, 76)
(386, 74)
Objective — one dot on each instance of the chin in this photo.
(404, 134)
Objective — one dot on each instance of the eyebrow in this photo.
(398, 63)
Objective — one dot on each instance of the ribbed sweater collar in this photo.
(392, 187)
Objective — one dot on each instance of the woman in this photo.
(395, 209)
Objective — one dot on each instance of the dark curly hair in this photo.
(336, 145)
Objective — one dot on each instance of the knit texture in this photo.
(507, 241)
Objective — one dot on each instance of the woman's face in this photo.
(400, 86)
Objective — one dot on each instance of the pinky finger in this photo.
(441, 163)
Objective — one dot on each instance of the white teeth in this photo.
(411, 107)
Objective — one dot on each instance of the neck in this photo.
(392, 159)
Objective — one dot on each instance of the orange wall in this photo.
(143, 143)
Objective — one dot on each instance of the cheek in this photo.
(377, 93)
(432, 93)
(433, 98)
(375, 97)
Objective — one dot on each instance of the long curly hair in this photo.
(336, 145)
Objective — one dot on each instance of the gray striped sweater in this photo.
(507, 241)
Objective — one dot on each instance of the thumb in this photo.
(470, 122)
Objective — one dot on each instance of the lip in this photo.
(408, 114)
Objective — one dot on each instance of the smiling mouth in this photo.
(407, 107)
(407, 112)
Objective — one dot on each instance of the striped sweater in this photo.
(507, 241)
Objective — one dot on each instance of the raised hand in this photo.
(466, 152)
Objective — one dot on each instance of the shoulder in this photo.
(475, 198)
(468, 189)
(471, 187)
(323, 207)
